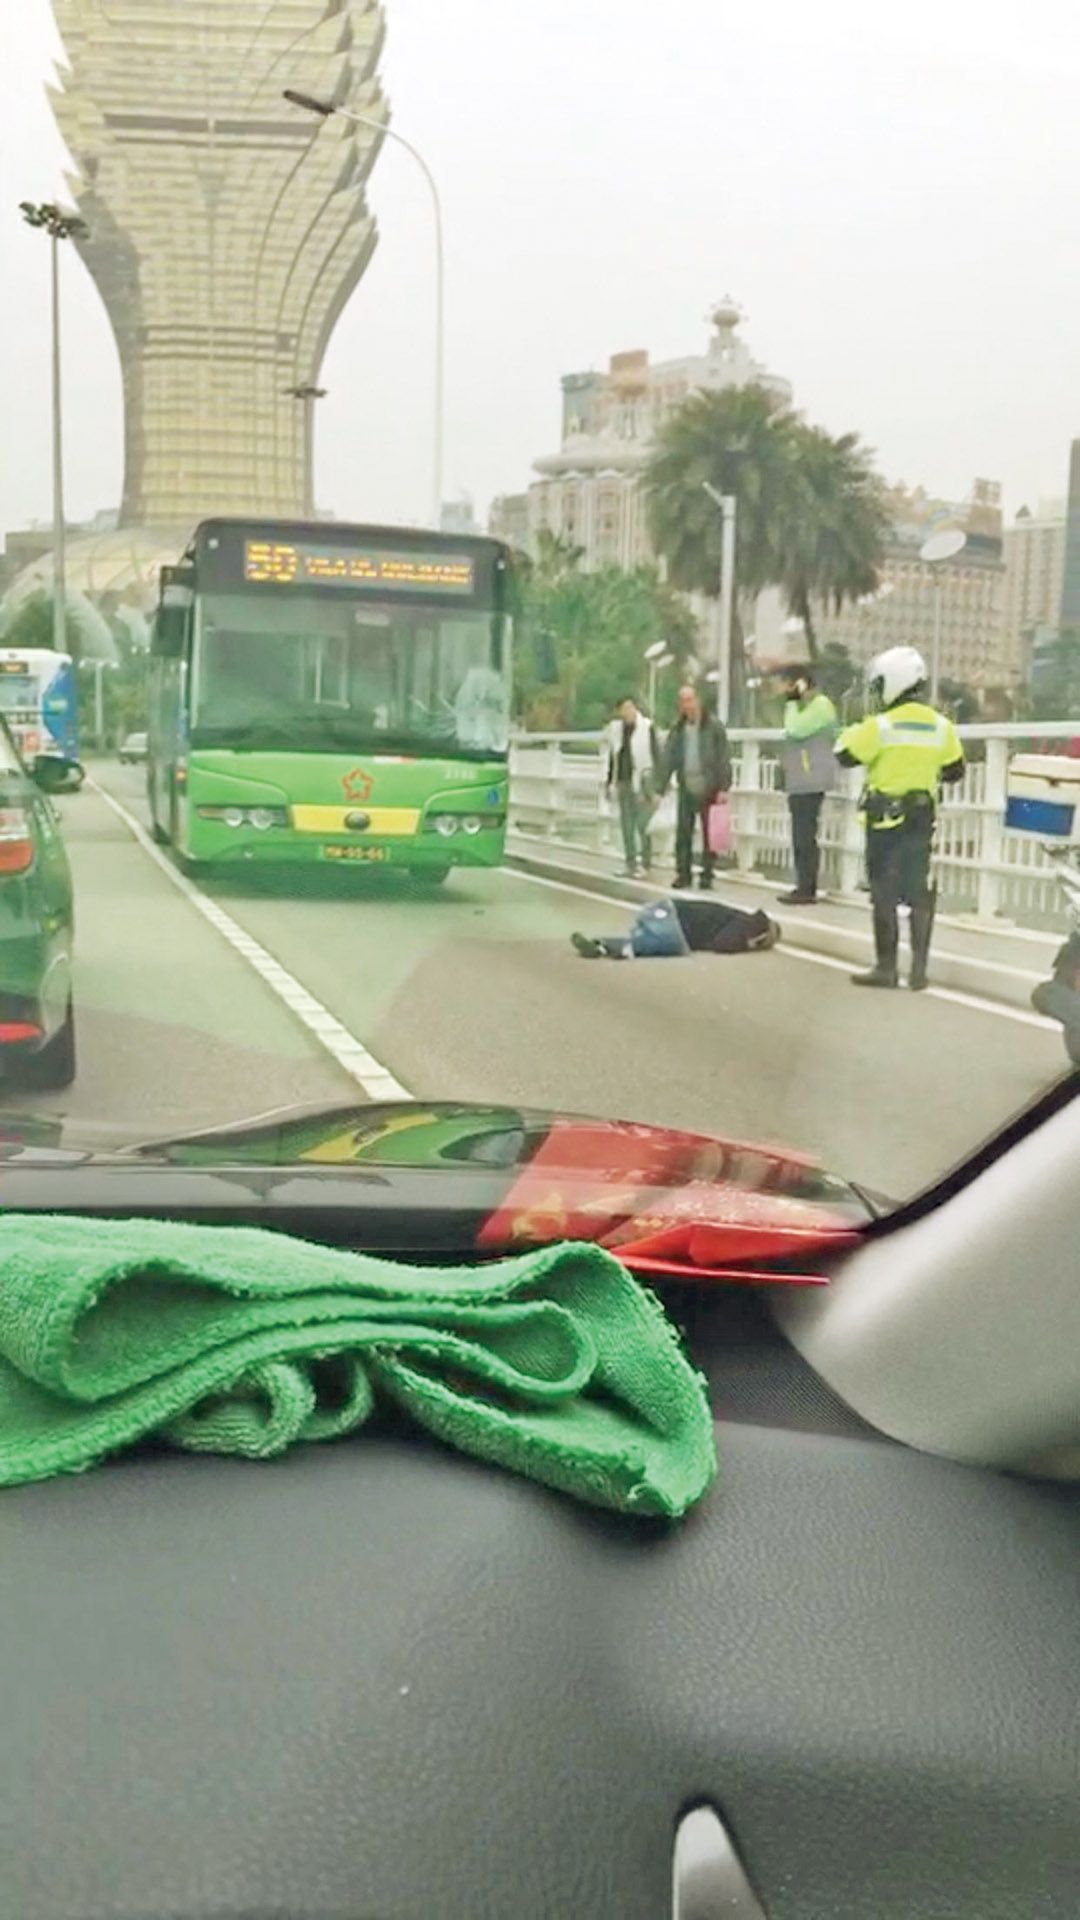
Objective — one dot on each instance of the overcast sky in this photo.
(891, 192)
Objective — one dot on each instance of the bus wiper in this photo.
(272, 731)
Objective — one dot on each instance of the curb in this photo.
(960, 972)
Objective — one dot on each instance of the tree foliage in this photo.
(31, 622)
(812, 513)
(835, 520)
(123, 692)
(582, 637)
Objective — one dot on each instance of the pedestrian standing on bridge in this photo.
(698, 759)
(808, 765)
(908, 750)
(633, 771)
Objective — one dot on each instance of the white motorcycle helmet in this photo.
(896, 672)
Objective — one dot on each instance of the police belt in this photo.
(899, 810)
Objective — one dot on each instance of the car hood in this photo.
(416, 1177)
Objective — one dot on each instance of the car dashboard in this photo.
(377, 1681)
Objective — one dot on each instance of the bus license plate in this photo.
(354, 853)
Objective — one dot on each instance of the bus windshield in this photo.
(322, 672)
(18, 690)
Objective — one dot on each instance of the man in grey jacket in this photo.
(809, 769)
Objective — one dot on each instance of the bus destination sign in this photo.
(284, 563)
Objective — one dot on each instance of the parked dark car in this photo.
(37, 1019)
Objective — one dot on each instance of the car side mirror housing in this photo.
(55, 775)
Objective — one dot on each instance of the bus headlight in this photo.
(260, 817)
(471, 823)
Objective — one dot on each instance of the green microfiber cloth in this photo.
(557, 1364)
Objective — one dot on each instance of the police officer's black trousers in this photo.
(898, 868)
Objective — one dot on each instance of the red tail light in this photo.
(16, 846)
(14, 1030)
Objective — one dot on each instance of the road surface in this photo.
(474, 992)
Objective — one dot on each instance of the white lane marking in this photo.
(953, 995)
(567, 886)
(815, 926)
(350, 1053)
(765, 889)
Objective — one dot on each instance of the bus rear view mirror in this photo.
(55, 775)
(174, 609)
(170, 632)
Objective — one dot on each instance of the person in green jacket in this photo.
(808, 765)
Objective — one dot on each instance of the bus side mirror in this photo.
(175, 598)
(55, 775)
(170, 632)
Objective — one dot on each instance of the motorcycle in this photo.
(1059, 997)
(1042, 799)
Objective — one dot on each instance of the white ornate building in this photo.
(589, 492)
(227, 230)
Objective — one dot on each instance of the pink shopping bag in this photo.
(718, 825)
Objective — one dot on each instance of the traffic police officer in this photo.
(908, 750)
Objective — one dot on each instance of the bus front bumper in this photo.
(215, 844)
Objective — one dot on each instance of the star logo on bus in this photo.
(357, 784)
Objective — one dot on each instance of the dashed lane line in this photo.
(343, 1047)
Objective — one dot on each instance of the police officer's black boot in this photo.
(922, 926)
(884, 972)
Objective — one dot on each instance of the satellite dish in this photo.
(943, 546)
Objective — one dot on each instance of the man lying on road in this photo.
(668, 928)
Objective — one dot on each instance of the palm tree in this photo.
(812, 514)
(836, 519)
(734, 441)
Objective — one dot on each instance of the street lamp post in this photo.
(728, 506)
(935, 553)
(59, 226)
(98, 667)
(324, 108)
(656, 667)
(308, 394)
(656, 655)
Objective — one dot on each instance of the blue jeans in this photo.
(635, 813)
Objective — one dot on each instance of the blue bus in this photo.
(38, 701)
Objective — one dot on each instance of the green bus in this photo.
(330, 693)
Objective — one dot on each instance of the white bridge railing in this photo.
(556, 797)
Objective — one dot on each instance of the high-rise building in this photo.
(1070, 590)
(227, 230)
(1034, 576)
(589, 493)
(971, 587)
(459, 516)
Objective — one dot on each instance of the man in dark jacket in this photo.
(698, 759)
(665, 929)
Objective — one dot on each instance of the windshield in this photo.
(17, 691)
(314, 671)
(609, 655)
